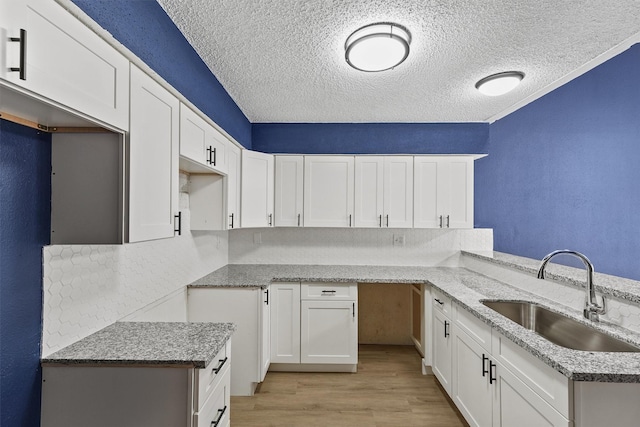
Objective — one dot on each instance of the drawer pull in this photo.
(221, 412)
(328, 292)
(492, 372)
(484, 365)
(438, 301)
(217, 368)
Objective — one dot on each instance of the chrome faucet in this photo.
(591, 307)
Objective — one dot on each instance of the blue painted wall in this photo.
(25, 188)
(145, 29)
(564, 171)
(369, 138)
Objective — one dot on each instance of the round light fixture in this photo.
(500, 83)
(377, 47)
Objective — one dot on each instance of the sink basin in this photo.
(557, 328)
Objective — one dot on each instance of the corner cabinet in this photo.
(257, 189)
(58, 58)
(329, 191)
(443, 192)
(153, 159)
(250, 310)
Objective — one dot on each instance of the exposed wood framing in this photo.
(51, 129)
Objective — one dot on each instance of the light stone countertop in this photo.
(174, 344)
(468, 289)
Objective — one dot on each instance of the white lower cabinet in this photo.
(249, 309)
(137, 396)
(314, 326)
(328, 332)
(285, 322)
(494, 382)
(441, 342)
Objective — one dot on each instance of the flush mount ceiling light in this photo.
(377, 47)
(500, 83)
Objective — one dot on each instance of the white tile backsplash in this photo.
(88, 287)
(354, 246)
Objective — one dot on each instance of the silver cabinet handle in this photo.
(440, 221)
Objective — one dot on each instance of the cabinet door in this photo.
(257, 189)
(443, 193)
(515, 404)
(328, 191)
(369, 194)
(458, 206)
(218, 150)
(66, 62)
(442, 349)
(265, 336)
(285, 322)
(398, 192)
(471, 389)
(329, 332)
(288, 191)
(234, 160)
(426, 210)
(193, 135)
(153, 159)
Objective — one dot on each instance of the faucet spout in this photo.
(591, 309)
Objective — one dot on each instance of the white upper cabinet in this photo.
(328, 191)
(153, 165)
(289, 191)
(257, 189)
(369, 189)
(202, 147)
(234, 162)
(384, 191)
(57, 57)
(443, 193)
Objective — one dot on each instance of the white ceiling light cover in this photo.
(500, 83)
(377, 47)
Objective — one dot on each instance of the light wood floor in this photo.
(387, 390)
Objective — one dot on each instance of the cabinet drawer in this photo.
(216, 410)
(441, 302)
(545, 381)
(329, 291)
(474, 327)
(210, 377)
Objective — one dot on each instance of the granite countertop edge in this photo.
(146, 344)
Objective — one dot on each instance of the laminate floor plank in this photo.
(388, 390)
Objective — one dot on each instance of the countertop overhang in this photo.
(149, 344)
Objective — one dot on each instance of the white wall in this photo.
(354, 246)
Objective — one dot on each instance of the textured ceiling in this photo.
(283, 60)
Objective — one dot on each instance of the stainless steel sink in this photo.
(559, 329)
